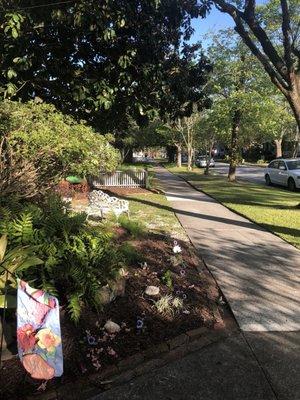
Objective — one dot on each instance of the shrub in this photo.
(46, 145)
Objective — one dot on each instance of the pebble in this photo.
(112, 327)
(152, 290)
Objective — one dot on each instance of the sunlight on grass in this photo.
(274, 208)
(155, 212)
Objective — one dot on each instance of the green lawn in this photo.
(136, 166)
(274, 208)
(154, 211)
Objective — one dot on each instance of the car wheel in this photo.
(268, 180)
(291, 184)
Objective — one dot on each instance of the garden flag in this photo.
(38, 332)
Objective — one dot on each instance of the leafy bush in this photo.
(76, 259)
(135, 228)
(18, 175)
(45, 145)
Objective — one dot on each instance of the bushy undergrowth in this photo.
(77, 259)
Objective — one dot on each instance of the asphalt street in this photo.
(249, 173)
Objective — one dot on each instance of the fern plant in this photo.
(13, 261)
(75, 260)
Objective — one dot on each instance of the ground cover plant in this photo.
(272, 207)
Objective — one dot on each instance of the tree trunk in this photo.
(297, 142)
(171, 153)
(293, 97)
(190, 158)
(128, 156)
(178, 155)
(236, 121)
(208, 158)
(278, 144)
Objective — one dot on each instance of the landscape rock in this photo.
(118, 287)
(112, 327)
(114, 289)
(105, 295)
(152, 290)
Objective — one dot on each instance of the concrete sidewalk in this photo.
(260, 276)
(258, 272)
(224, 371)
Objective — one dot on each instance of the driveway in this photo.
(248, 173)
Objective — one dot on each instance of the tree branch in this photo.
(267, 46)
(274, 75)
(250, 9)
(287, 35)
(271, 61)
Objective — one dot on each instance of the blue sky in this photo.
(215, 21)
(212, 23)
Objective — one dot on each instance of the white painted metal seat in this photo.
(101, 204)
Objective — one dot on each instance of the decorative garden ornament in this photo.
(38, 333)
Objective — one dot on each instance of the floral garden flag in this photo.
(38, 333)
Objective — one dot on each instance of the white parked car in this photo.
(285, 172)
(201, 162)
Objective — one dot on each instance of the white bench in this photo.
(101, 204)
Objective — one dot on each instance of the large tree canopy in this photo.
(272, 34)
(89, 55)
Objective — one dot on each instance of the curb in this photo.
(141, 363)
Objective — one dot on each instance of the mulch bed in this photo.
(88, 348)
